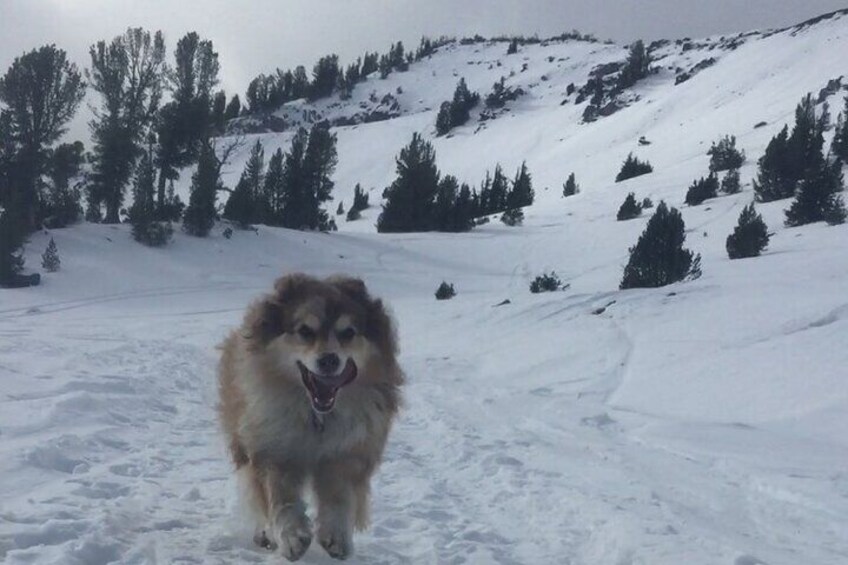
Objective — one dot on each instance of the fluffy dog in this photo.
(309, 387)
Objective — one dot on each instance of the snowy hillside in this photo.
(700, 423)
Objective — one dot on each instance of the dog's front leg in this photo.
(335, 490)
(290, 526)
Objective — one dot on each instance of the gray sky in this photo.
(254, 36)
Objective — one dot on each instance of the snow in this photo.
(700, 423)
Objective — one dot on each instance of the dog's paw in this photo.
(337, 543)
(294, 535)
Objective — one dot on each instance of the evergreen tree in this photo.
(445, 291)
(464, 210)
(41, 91)
(629, 208)
(247, 204)
(513, 47)
(324, 76)
(360, 198)
(636, 67)
(142, 214)
(522, 189)
(839, 147)
(444, 207)
(658, 258)
(184, 123)
(340, 209)
(409, 199)
(570, 188)
(730, 184)
(127, 73)
(50, 258)
(513, 217)
(818, 197)
(443, 119)
(201, 213)
(775, 179)
(11, 240)
(233, 108)
(274, 189)
(546, 283)
(702, 189)
(294, 185)
(319, 163)
(724, 155)
(749, 237)
(633, 167)
(63, 203)
(300, 83)
(219, 107)
(498, 191)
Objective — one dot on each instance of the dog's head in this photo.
(324, 332)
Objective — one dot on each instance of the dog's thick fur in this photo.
(278, 442)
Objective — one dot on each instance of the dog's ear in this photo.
(353, 288)
(380, 326)
(266, 318)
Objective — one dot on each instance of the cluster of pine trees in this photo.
(457, 111)
(291, 191)
(421, 199)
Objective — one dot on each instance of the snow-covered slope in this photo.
(701, 423)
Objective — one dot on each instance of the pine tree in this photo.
(233, 108)
(513, 47)
(247, 204)
(50, 258)
(839, 147)
(324, 77)
(127, 73)
(443, 119)
(546, 283)
(633, 167)
(498, 191)
(730, 184)
(63, 203)
(513, 217)
(818, 197)
(658, 258)
(360, 198)
(40, 93)
(629, 208)
(522, 189)
(635, 68)
(570, 188)
(409, 199)
(444, 205)
(445, 291)
(724, 155)
(774, 178)
(11, 240)
(142, 214)
(749, 237)
(294, 182)
(702, 189)
(199, 217)
(274, 189)
(319, 163)
(340, 210)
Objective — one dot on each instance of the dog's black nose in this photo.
(329, 363)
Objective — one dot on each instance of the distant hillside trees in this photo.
(127, 74)
(724, 155)
(659, 258)
(456, 112)
(201, 213)
(184, 123)
(62, 205)
(410, 197)
(818, 197)
(501, 94)
(839, 147)
(40, 93)
(142, 214)
(325, 77)
(749, 237)
(291, 193)
(730, 183)
(570, 188)
(635, 68)
(702, 189)
(629, 209)
(546, 282)
(633, 167)
(360, 203)
(790, 158)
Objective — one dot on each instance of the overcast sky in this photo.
(254, 36)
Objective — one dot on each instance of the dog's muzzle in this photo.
(322, 389)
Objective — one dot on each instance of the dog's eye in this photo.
(306, 332)
(346, 334)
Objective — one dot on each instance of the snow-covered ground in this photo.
(702, 423)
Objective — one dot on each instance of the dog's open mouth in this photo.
(323, 388)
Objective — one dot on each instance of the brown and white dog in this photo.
(309, 386)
